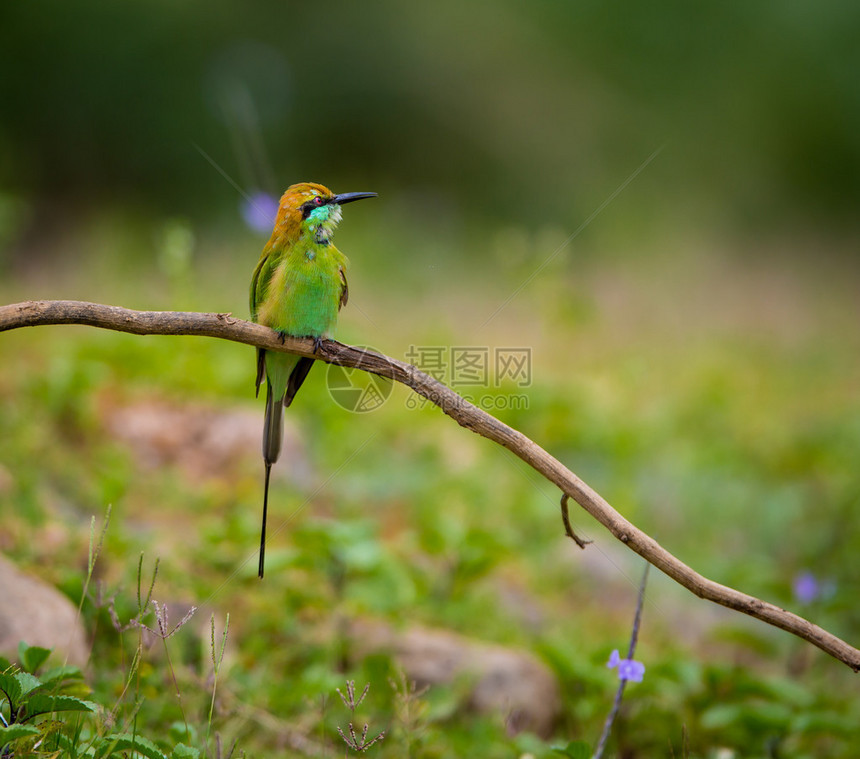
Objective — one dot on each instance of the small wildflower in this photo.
(631, 670)
(259, 210)
(806, 587)
(628, 669)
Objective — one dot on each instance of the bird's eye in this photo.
(318, 201)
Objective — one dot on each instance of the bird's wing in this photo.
(256, 296)
(344, 292)
(259, 281)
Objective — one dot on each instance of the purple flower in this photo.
(806, 587)
(628, 669)
(259, 210)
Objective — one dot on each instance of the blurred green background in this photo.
(659, 201)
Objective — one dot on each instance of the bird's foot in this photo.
(317, 343)
(282, 335)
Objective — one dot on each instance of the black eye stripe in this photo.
(316, 202)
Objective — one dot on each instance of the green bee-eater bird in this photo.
(298, 288)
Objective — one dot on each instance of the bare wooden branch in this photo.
(224, 326)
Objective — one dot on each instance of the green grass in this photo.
(712, 401)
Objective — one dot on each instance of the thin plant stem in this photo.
(217, 659)
(95, 548)
(619, 694)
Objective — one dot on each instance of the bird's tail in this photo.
(273, 437)
(263, 531)
(273, 428)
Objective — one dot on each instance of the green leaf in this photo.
(721, 716)
(179, 732)
(58, 674)
(69, 743)
(752, 716)
(14, 732)
(128, 742)
(831, 723)
(27, 682)
(574, 750)
(32, 657)
(42, 703)
(184, 752)
(10, 687)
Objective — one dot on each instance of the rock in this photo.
(504, 680)
(37, 613)
(202, 441)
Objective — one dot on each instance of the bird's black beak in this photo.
(348, 197)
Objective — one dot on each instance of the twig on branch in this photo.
(224, 326)
(568, 528)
